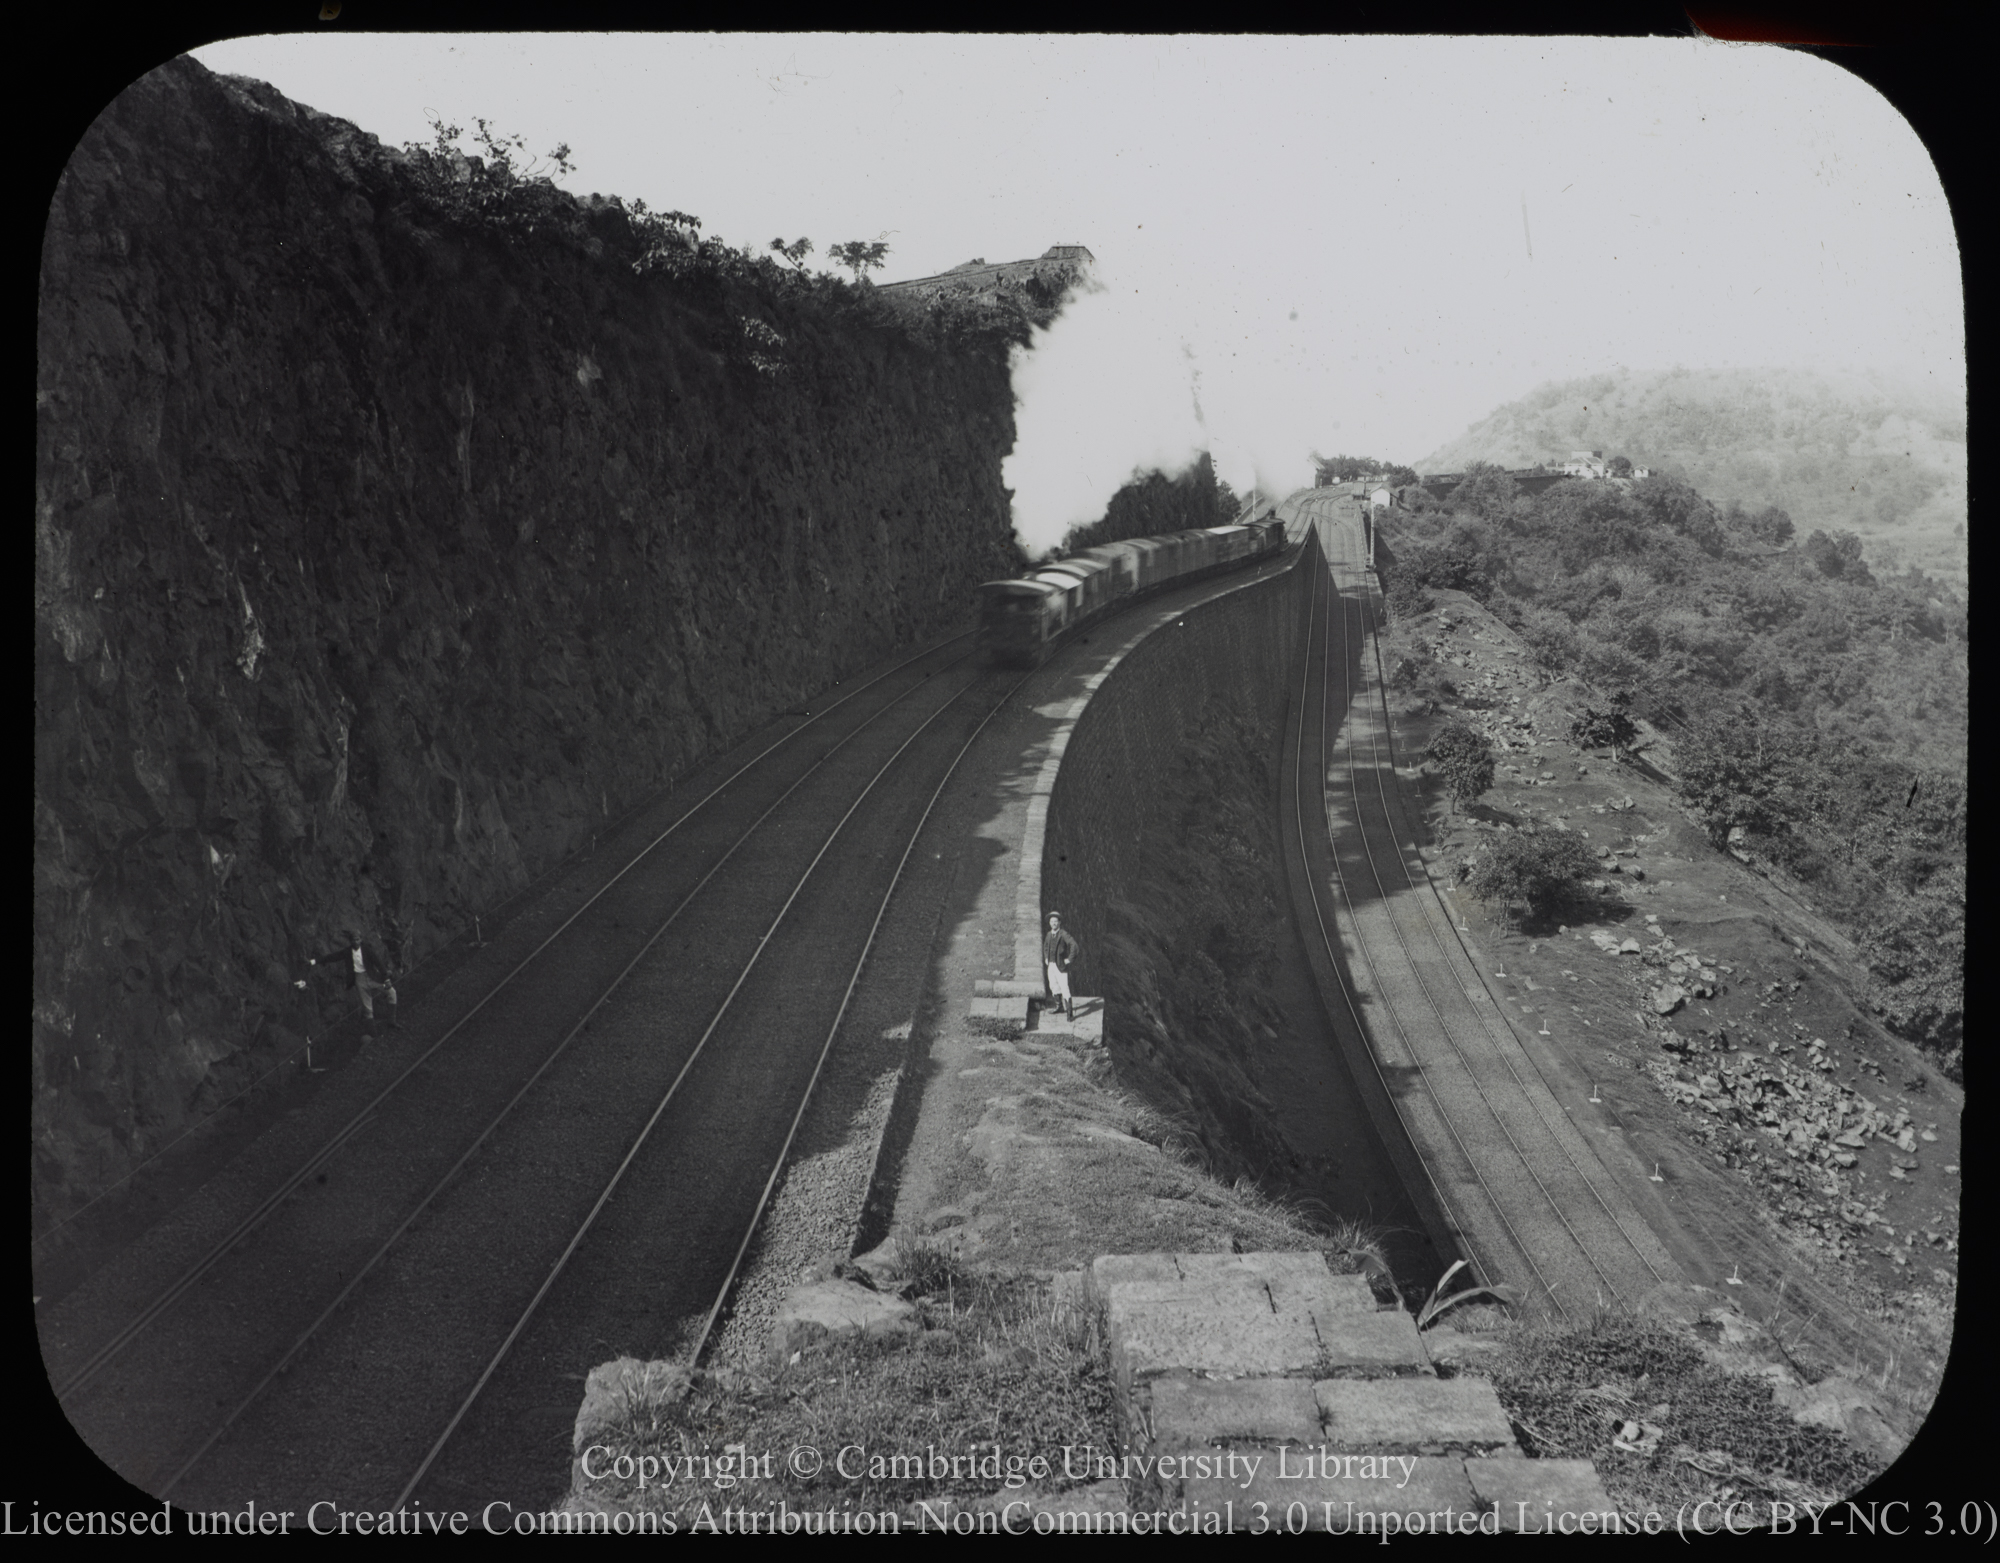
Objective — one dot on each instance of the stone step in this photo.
(1305, 1271)
(1088, 1025)
(1412, 1413)
(1012, 1012)
(1263, 1391)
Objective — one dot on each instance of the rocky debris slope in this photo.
(380, 560)
(1724, 1023)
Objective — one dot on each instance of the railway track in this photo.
(566, 1160)
(1706, 1232)
(285, 1357)
(1527, 1196)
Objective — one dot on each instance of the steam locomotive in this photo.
(1020, 620)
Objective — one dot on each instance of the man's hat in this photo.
(1055, 914)
(350, 936)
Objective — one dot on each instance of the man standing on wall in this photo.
(1058, 950)
(370, 973)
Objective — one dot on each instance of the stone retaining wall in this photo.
(1242, 647)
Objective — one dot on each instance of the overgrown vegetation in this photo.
(1001, 1369)
(1464, 759)
(1817, 709)
(499, 187)
(1663, 1426)
(1533, 874)
(1885, 462)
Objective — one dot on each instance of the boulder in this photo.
(822, 1309)
(1843, 1406)
(1668, 997)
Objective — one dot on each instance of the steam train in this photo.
(1020, 620)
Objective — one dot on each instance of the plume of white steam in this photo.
(1142, 376)
(1107, 391)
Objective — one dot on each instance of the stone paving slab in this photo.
(1087, 1027)
(1350, 1294)
(1188, 1413)
(1211, 1353)
(1406, 1413)
(1320, 1490)
(1305, 1273)
(1302, 1268)
(1006, 988)
(1371, 1345)
(1222, 1326)
(1107, 1270)
(1527, 1494)
(1012, 1010)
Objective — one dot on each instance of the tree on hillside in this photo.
(1552, 642)
(1612, 729)
(1533, 874)
(795, 252)
(1769, 527)
(859, 257)
(1405, 597)
(1738, 769)
(1455, 562)
(1344, 469)
(1673, 504)
(1838, 556)
(1619, 466)
(1915, 947)
(1464, 760)
(1486, 491)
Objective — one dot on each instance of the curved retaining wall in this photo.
(1103, 791)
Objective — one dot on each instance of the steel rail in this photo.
(178, 1288)
(826, 1047)
(437, 1188)
(1395, 1019)
(1326, 940)
(1503, 1047)
(1443, 1026)
(604, 1198)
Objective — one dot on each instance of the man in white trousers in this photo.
(1059, 948)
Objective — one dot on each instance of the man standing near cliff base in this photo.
(366, 967)
(1058, 950)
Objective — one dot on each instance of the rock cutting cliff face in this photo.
(380, 558)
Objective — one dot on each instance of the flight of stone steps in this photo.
(1263, 1392)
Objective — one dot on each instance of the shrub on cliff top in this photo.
(493, 191)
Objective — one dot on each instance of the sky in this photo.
(1350, 245)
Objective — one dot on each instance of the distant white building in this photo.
(1591, 464)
